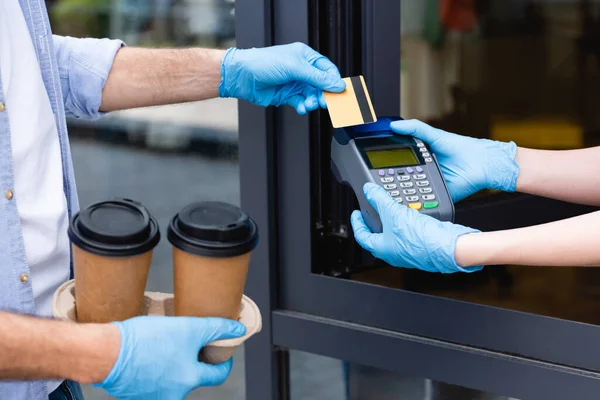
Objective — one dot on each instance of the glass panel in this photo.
(316, 377)
(568, 293)
(527, 72)
(165, 157)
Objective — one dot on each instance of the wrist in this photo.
(485, 248)
(465, 252)
(96, 348)
(227, 60)
(532, 168)
(462, 257)
(504, 167)
(208, 71)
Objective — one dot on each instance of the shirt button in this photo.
(24, 278)
(2, 106)
(9, 194)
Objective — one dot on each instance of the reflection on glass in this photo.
(316, 377)
(165, 157)
(525, 71)
(520, 70)
(567, 293)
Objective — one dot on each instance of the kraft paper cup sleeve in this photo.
(221, 350)
(162, 304)
(64, 307)
(63, 302)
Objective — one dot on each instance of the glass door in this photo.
(522, 71)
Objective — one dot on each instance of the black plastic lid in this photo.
(213, 229)
(115, 228)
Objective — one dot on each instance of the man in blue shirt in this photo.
(44, 78)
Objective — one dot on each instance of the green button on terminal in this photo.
(430, 204)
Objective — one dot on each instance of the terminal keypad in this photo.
(408, 186)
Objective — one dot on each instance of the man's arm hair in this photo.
(149, 77)
(35, 348)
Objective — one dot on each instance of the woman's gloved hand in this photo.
(158, 357)
(292, 74)
(409, 239)
(468, 164)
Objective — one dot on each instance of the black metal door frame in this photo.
(397, 330)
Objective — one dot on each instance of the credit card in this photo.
(352, 106)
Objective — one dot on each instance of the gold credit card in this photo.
(352, 106)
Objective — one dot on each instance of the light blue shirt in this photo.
(74, 72)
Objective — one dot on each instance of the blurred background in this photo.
(520, 70)
(169, 156)
(517, 70)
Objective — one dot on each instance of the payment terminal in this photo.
(404, 166)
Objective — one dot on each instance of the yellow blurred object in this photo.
(541, 133)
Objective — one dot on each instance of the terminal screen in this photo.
(391, 157)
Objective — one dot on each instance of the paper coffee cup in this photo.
(212, 242)
(112, 244)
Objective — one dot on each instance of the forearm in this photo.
(149, 77)
(564, 175)
(33, 348)
(570, 242)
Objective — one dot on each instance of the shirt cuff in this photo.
(84, 65)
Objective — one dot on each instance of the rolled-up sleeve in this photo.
(84, 65)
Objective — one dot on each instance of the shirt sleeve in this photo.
(84, 65)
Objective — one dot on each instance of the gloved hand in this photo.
(158, 358)
(293, 75)
(409, 239)
(468, 164)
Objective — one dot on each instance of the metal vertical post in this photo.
(381, 52)
(257, 179)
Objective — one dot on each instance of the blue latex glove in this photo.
(158, 358)
(409, 239)
(468, 164)
(293, 75)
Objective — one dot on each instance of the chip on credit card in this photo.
(352, 106)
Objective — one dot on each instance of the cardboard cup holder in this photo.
(162, 304)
